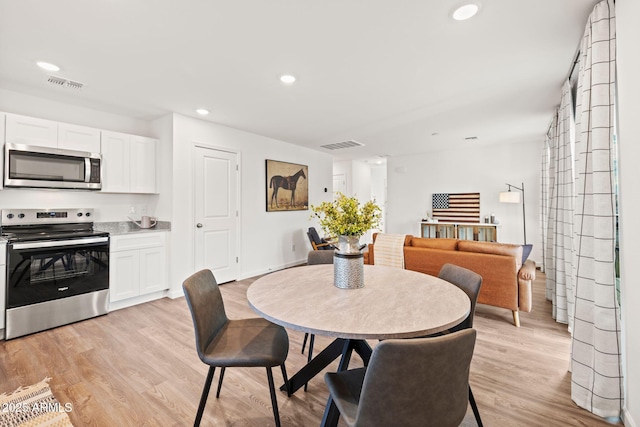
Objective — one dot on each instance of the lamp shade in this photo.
(509, 197)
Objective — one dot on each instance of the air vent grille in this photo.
(62, 82)
(341, 145)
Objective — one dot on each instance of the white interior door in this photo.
(339, 184)
(216, 212)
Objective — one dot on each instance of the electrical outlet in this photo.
(132, 209)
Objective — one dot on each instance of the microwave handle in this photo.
(87, 167)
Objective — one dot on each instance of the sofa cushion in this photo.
(444, 244)
(493, 248)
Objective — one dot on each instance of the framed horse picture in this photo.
(287, 186)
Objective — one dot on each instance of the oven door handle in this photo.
(59, 243)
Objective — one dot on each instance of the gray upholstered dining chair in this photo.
(420, 382)
(470, 282)
(223, 343)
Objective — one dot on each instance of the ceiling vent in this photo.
(345, 144)
(62, 82)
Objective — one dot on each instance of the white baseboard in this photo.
(117, 305)
(627, 419)
(272, 269)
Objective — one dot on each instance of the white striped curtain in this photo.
(596, 349)
(558, 247)
(544, 194)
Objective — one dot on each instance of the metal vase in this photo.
(348, 263)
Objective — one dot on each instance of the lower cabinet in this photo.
(137, 265)
(3, 277)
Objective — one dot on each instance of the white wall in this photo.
(411, 180)
(628, 35)
(109, 207)
(266, 237)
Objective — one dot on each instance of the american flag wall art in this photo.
(456, 207)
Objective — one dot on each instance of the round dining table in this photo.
(394, 303)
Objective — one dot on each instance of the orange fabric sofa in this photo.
(506, 282)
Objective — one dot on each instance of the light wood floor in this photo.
(138, 367)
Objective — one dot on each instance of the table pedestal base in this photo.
(339, 347)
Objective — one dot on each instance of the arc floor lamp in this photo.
(514, 197)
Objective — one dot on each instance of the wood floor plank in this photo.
(138, 367)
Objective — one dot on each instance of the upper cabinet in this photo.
(79, 138)
(31, 131)
(47, 133)
(2, 121)
(128, 163)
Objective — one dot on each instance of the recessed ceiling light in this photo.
(465, 12)
(287, 78)
(202, 111)
(47, 66)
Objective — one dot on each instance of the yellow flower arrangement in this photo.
(345, 217)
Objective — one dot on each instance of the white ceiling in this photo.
(400, 76)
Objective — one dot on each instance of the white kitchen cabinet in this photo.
(2, 122)
(115, 162)
(3, 284)
(31, 131)
(143, 165)
(79, 138)
(47, 133)
(137, 265)
(128, 163)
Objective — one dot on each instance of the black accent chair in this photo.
(418, 382)
(470, 282)
(231, 343)
(317, 242)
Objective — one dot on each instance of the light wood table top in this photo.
(394, 303)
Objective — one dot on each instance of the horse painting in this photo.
(285, 183)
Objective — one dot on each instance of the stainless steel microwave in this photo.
(30, 166)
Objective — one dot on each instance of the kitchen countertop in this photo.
(127, 227)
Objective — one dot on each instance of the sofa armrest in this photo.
(526, 275)
(368, 255)
(528, 270)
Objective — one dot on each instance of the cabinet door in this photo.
(115, 162)
(31, 131)
(124, 275)
(143, 165)
(79, 138)
(153, 275)
(3, 277)
(2, 120)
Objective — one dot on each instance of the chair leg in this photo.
(286, 379)
(220, 382)
(205, 395)
(274, 401)
(310, 355)
(304, 342)
(476, 413)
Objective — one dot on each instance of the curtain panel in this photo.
(558, 246)
(596, 347)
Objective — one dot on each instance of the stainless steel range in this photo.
(57, 268)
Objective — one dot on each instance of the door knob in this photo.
(199, 225)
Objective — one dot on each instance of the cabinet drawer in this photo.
(137, 241)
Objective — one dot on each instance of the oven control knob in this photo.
(87, 214)
(10, 216)
(20, 215)
(79, 214)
